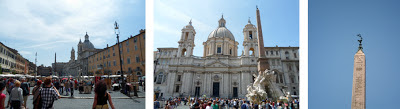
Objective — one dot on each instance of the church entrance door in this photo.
(216, 89)
(235, 92)
(197, 92)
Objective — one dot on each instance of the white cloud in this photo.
(54, 20)
(25, 52)
(57, 25)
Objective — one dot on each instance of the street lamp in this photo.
(116, 31)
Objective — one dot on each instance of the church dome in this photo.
(86, 45)
(221, 31)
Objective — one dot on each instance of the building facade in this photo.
(220, 72)
(285, 62)
(7, 59)
(58, 68)
(106, 61)
(44, 71)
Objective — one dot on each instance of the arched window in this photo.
(160, 77)
(183, 52)
(251, 51)
(186, 35)
(250, 35)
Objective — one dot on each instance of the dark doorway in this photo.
(216, 89)
(197, 92)
(235, 92)
(157, 95)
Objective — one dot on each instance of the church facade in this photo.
(78, 66)
(220, 72)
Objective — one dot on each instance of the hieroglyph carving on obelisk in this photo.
(358, 94)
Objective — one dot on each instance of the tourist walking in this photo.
(2, 96)
(25, 88)
(61, 86)
(71, 85)
(48, 94)
(16, 99)
(67, 86)
(102, 96)
(35, 93)
(10, 85)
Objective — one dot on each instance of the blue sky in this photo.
(333, 26)
(279, 18)
(56, 26)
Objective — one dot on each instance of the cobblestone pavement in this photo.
(85, 101)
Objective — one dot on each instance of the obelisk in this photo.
(262, 60)
(358, 94)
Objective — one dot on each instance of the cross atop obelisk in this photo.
(358, 93)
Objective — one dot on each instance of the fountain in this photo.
(256, 92)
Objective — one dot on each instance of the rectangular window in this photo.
(128, 60)
(294, 54)
(113, 54)
(135, 47)
(115, 64)
(127, 49)
(219, 49)
(179, 78)
(292, 80)
(134, 40)
(127, 43)
(137, 59)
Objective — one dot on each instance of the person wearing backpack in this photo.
(35, 93)
(25, 88)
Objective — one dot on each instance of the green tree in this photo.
(1, 69)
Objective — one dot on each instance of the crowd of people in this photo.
(224, 103)
(46, 91)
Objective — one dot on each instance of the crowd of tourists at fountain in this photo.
(224, 103)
